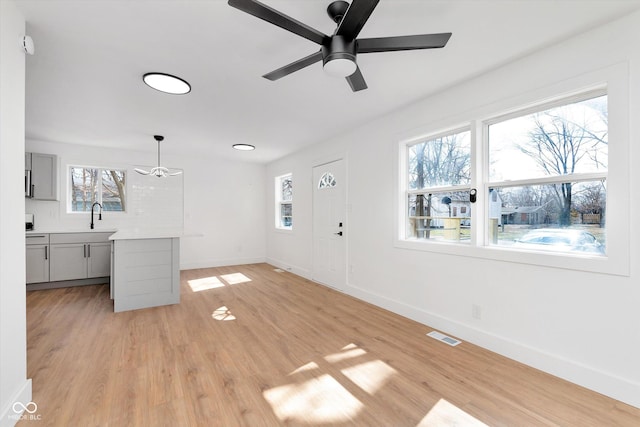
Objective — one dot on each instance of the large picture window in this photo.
(90, 185)
(548, 169)
(284, 202)
(539, 175)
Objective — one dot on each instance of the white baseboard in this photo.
(220, 262)
(302, 272)
(602, 382)
(8, 417)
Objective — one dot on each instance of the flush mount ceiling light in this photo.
(244, 147)
(167, 83)
(159, 171)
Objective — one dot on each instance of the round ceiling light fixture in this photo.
(167, 83)
(339, 58)
(244, 147)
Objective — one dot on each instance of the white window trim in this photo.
(617, 261)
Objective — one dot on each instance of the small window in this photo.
(90, 185)
(284, 202)
(327, 180)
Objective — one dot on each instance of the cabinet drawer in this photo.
(58, 238)
(37, 239)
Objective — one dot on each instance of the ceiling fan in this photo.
(159, 171)
(338, 52)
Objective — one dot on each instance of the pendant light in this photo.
(159, 171)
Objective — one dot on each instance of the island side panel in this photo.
(146, 273)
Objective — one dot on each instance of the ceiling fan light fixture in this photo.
(167, 83)
(339, 57)
(340, 67)
(244, 147)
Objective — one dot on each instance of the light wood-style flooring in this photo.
(251, 346)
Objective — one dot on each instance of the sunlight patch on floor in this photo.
(223, 314)
(205, 283)
(235, 278)
(305, 368)
(445, 413)
(348, 352)
(318, 400)
(370, 376)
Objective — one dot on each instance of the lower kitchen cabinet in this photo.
(80, 256)
(37, 258)
(62, 257)
(37, 263)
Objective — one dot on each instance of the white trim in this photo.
(23, 395)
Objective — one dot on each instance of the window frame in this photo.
(614, 81)
(280, 202)
(101, 169)
(438, 188)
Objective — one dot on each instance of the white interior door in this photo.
(329, 228)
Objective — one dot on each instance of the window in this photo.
(90, 185)
(548, 172)
(438, 175)
(327, 180)
(284, 202)
(541, 175)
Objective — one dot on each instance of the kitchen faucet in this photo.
(99, 214)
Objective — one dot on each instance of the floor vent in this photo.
(445, 339)
(278, 270)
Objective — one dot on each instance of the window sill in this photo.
(609, 264)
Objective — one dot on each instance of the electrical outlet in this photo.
(476, 311)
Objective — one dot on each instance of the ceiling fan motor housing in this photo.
(339, 50)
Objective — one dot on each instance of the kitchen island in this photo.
(145, 268)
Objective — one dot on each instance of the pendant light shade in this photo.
(158, 171)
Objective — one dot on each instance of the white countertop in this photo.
(147, 233)
(68, 230)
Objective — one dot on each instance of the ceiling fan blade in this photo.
(142, 171)
(175, 173)
(264, 12)
(355, 18)
(389, 44)
(294, 66)
(356, 81)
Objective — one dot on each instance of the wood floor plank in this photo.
(250, 346)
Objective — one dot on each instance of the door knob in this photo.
(339, 233)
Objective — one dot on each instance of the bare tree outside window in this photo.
(90, 185)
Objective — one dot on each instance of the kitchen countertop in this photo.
(147, 233)
(122, 234)
(67, 230)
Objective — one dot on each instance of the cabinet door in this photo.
(44, 176)
(37, 258)
(68, 261)
(99, 259)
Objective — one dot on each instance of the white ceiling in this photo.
(84, 82)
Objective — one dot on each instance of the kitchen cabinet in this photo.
(43, 172)
(79, 256)
(37, 258)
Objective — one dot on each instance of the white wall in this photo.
(14, 385)
(217, 202)
(581, 326)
